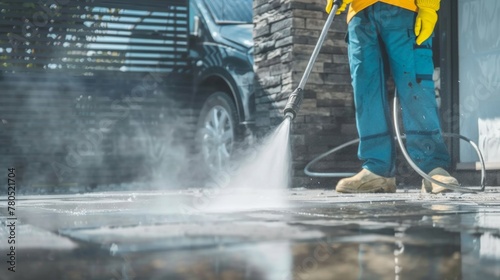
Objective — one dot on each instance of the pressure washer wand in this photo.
(296, 97)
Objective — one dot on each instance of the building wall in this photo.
(285, 33)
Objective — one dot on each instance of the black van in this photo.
(111, 91)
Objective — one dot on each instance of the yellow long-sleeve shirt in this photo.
(412, 5)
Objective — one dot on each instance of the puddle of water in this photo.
(400, 253)
(122, 240)
(364, 250)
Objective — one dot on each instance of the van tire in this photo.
(218, 133)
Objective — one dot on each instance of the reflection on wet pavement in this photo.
(319, 236)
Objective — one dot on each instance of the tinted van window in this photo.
(231, 11)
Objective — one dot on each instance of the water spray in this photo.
(295, 101)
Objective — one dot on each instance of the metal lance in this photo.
(295, 99)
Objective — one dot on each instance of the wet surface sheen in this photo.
(320, 235)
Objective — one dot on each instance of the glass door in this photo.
(479, 79)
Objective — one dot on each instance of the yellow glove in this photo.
(329, 6)
(426, 20)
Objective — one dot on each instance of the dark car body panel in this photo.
(225, 51)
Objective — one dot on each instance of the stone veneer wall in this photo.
(285, 33)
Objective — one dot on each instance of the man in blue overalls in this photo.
(404, 28)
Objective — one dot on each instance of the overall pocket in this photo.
(424, 63)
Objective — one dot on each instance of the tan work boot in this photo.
(366, 182)
(441, 175)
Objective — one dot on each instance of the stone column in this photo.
(285, 33)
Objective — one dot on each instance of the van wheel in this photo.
(217, 132)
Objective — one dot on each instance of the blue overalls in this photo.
(412, 67)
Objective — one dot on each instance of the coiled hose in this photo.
(412, 164)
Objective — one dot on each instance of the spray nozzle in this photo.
(293, 105)
(289, 115)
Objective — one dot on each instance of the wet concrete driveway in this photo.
(308, 234)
